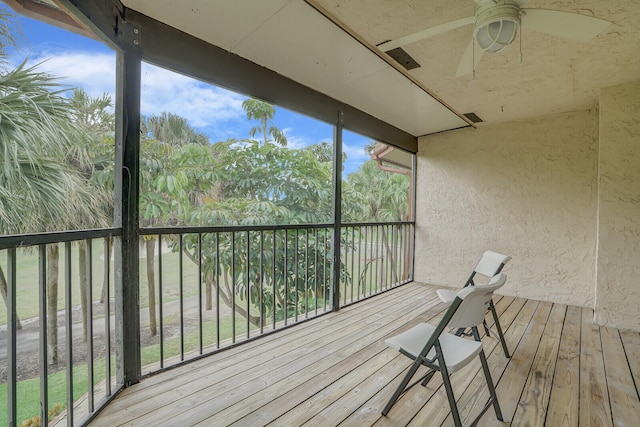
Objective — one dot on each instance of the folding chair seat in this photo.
(489, 265)
(431, 346)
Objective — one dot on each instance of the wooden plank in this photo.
(309, 381)
(631, 342)
(565, 394)
(254, 378)
(594, 397)
(625, 405)
(473, 399)
(413, 406)
(336, 370)
(363, 404)
(193, 378)
(304, 411)
(510, 385)
(532, 408)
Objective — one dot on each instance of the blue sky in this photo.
(89, 64)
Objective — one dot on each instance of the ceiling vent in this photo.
(403, 58)
(473, 117)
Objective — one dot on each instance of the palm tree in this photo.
(39, 191)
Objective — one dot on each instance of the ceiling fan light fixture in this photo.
(496, 26)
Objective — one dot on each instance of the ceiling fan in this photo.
(495, 24)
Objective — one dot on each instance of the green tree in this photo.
(374, 195)
(39, 190)
(261, 182)
(174, 169)
(95, 120)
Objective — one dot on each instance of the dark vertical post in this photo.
(262, 312)
(233, 287)
(337, 211)
(200, 292)
(107, 316)
(181, 294)
(286, 275)
(44, 356)
(89, 320)
(248, 282)
(127, 319)
(12, 395)
(68, 316)
(160, 301)
(217, 290)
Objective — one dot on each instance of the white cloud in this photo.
(93, 72)
(355, 152)
(296, 141)
(205, 106)
(202, 104)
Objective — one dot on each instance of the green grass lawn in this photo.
(27, 282)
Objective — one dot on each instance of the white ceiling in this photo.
(294, 39)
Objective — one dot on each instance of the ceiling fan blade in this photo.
(466, 65)
(424, 34)
(563, 24)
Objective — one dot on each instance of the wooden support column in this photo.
(127, 296)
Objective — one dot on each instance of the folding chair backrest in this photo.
(475, 302)
(491, 263)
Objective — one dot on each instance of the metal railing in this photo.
(202, 289)
(378, 257)
(59, 338)
(220, 286)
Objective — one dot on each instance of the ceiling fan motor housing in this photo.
(495, 26)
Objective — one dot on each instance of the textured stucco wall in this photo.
(525, 188)
(618, 272)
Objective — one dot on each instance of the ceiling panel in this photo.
(294, 40)
(226, 23)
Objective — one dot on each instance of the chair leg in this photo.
(427, 377)
(447, 386)
(486, 328)
(402, 387)
(492, 389)
(499, 329)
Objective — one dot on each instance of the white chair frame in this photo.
(431, 346)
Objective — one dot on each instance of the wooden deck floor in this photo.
(336, 370)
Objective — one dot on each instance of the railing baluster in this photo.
(248, 262)
(353, 258)
(286, 276)
(273, 282)
(217, 280)
(324, 270)
(306, 274)
(107, 315)
(367, 262)
(200, 320)
(89, 320)
(316, 271)
(295, 275)
(376, 276)
(181, 293)
(160, 301)
(44, 356)
(345, 260)
(261, 285)
(12, 376)
(69, 331)
(233, 287)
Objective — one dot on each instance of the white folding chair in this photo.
(489, 265)
(441, 351)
